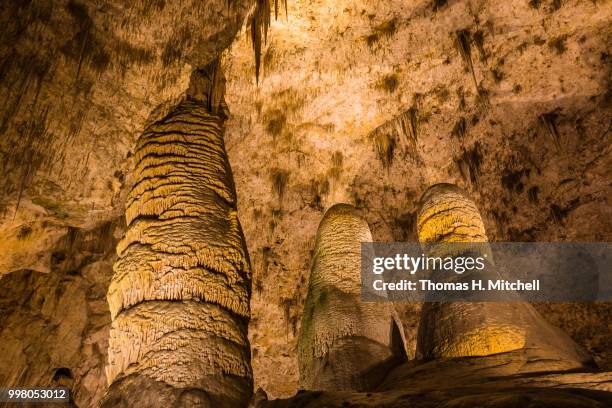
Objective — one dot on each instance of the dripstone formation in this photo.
(494, 354)
(179, 297)
(114, 124)
(464, 329)
(344, 344)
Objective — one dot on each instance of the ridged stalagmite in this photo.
(468, 329)
(179, 297)
(344, 344)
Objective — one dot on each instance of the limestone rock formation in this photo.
(480, 381)
(344, 344)
(179, 297)
(490, 354)
(79, 81)
(463, 329)
(54, 326)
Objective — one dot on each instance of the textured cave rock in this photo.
(54, 326)
(461, 329)
(470, 329)
(344, 344)
(179, 296)
(362, 102)
(494, 354)
(480, 381)
(79, 81)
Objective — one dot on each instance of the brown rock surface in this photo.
(493, 381)
(54, 325)
(361, 102)
(370, 103)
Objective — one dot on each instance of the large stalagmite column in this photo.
(470, 329)
(344, 344)
(179, 297)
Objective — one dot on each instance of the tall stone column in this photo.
(179, 297)
(473, 329)
(344, 344)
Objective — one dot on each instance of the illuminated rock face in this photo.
(502, 341)
(460, 329)
(179, 297)
(81, 80)
(469, 329)
(344, 344)
(449, 215)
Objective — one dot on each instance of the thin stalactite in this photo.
(258, 25)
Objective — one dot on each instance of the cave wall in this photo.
(54, 326)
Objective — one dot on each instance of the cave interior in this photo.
(186, 185)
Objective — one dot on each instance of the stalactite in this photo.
(179, 297)
(401, 131)
(344, 344)
(462, 39)
(548, 120)
(258, 24)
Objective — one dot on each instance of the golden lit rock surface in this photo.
(476, 329)
(179, 296)
(448, 215)
(461, 329)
